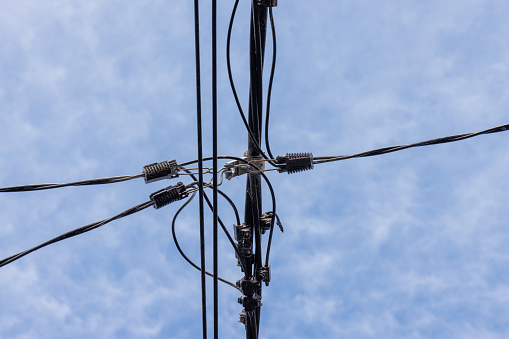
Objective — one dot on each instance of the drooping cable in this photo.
(100, 181)
(390, 149)
(225, 230)
(175, 240)
(271, 80)
(200, 166)
(77, 231)
(234, 91)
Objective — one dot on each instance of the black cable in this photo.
(379, 151)
(271, 80)
(182, 252)
(100, 181)
(214, 168)
(235, 95)
(76, 232)
(225, 230)
(200, 166)
(267, 181)
(269, 185)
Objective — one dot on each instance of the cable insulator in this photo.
(295, 162)
(160, 170)
(168, 195)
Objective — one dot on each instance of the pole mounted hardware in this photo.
(160, 170)
(295, 162)
(168, 195)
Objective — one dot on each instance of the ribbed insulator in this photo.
(298, 162)
(168, 195)
(160, 170)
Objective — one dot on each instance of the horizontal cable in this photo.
(101, 181)
(379, 151)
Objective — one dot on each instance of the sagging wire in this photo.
(271, 80)
(225, 230)
(232, 85)
(175, 240)
(390, 149)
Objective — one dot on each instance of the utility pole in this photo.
(251, 283)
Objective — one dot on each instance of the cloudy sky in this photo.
(412, 244)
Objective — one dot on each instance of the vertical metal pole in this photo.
(253, 187)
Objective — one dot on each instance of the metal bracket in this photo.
(235, 168)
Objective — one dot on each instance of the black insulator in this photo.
(168, 195)
(160, 170)
(295, 162)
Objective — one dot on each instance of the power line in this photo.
(390, 149)
(100, 181)
(76, 232)
(200, 166)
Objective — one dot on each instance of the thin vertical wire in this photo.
(214, 165)
(200, 166)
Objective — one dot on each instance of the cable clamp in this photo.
(263, 274)
(235, 168)
(244, 236)
(265, 222)
(267, 3)
(295, 162)
(160, 170)
(168, 195)
(251, 299)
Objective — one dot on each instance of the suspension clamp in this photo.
(295, 162)
(160, 170)
(168, 195)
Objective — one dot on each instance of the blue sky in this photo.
(411, 244)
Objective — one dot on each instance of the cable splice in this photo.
(168, 195)
(160, 170)
(295, 162)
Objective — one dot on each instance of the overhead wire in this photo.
(234, 91)
(175, 240)
(200, 166)
(100, 181)
(225, 230)
(214, 166)
(271, 80)
(76, 232)
(390, 149)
